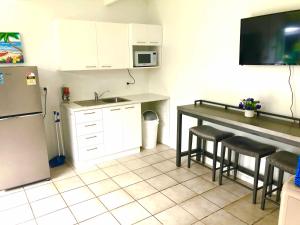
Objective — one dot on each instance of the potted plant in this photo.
(249, 105)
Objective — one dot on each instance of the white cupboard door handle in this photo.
(106, 66)
(141, 42)
(154, 42)
(90, 137)
(92, 149)
(115, 109)
(131, 107)
(90, 125)
(90, 66)
(89, 113)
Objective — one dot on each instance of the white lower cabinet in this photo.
(92, 135)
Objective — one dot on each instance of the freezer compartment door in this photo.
(19, 91)
(23, 151)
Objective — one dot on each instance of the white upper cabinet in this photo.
(145, 34)
(77, 45)
(113, 46)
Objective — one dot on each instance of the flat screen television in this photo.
(272, 39)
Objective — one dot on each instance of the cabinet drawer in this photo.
(91, 152)
(90, 139)
(88, 115)
(89, 128)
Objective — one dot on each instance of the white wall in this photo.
(201, 53)
(33, 19)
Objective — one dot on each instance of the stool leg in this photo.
(279, 186)
(271, 180)
(190, 148)
(221, 164)
(229, 162)
(236, 164)
(203, 150)
(215, 152)
(198, 155)
(266, 182)
(256, 174)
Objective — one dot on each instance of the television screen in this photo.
(271, 39)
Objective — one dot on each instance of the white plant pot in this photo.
(249, 113)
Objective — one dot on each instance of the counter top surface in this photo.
(139, 98)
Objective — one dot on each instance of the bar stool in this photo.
(248, 147)
(285, 162)
(206, 133)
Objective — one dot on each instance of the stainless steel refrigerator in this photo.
(23, 150)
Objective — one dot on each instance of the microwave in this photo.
(145, 58)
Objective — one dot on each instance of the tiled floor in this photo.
(146, 188)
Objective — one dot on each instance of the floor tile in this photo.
(220, 197)
(198, 169)
(61, 172)
(47, 205)
(115, 199)
(85, 169)
(130, 214)
(162, 182)
(140, 190)
(13, 200)
(145, 152)
(60, 217)
(149, 221)
(271, 219)
(40, 192)
(207, 177)
(179, 193)
(168, 154)
(115, 170)
(88, 209)
(127, 179)
(175, 215)
(37, 184)
(181, 175)
(127, 158)
(77, 195)
(93, 176)
(156, 203)
(151, 159)
(248, 212)
(199, 207)
(135, 164)
(236, 189)
(165, 166)
(8, 217)
(199, 185)
(221, 217)
(30, 222)
(107, 163)
(103, 187)
(105, 219)
(198, 223)
(161, 147)
(147, 172)
(68, 184)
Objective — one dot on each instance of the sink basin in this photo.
(101, 101)
(114, 100)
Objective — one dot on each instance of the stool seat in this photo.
(284, 160)
(248, 147)
(210, 133)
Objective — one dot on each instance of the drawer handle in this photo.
(90, 125)
(92, 149)
(154, 42)
(90, 66)
(90, 137)
(115, 109)
(131, 107)
(141, 42)
(89, 113)
(106, 66)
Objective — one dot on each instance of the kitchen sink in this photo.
(114, 100)
(101, 101)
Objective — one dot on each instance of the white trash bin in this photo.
(150, 126)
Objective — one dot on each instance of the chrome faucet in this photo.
(98, 96)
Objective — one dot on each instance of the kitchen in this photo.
(180, 77)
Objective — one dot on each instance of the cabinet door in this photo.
(145, 34)
(132, 126)
(112, 128)
(77, 45)
(154, 34)
(113, 48)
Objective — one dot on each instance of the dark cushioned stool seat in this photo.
(210, 133)
(285, 162)
(248, 147)
(206, 133)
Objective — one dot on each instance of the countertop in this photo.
(139, 98)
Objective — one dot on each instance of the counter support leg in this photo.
(179, 136)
